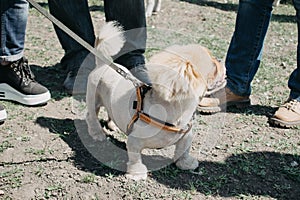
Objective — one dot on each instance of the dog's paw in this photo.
(137, 177)
(112, 126)
(96, 134)
(149, 14)
(189, 163)
(99, 137)
(136, 171)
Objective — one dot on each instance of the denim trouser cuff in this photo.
(294, 96)
(12, 58)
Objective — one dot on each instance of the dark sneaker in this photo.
(17, 84)
(3, 114)
(69, 81)
(76, 82)
(78, 72)
(288, 115)
(141, 73)
(226, 99)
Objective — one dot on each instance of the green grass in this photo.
(11, 178)
(5, 145)
(89, 178)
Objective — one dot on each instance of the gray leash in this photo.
(86, 45)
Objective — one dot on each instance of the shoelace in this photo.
(23, 71)
(292, 104)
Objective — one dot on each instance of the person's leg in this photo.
(13, 26)
(243, 56)
(245, 50)
(75, 15)
(16, 79)
(288, 115)
(294, 80)
(131, 15)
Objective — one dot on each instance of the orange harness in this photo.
(139, 114)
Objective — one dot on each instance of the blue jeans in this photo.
(245, 50)
(13, 27)
(75, 14)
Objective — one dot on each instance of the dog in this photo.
(152, 7)
(180, 76)
(276, 3)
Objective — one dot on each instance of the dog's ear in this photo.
(213, 74)
(97, 42)
(216, 78)
(194, 78)
(190, 73)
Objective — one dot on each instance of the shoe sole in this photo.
(208, 110)
(3, 116)
(283, 124)
(213, 110)
(9, 93)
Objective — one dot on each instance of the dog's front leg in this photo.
(136, 170)
(149, 7)
(182, 157)
(93, 106)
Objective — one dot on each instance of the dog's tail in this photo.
(110, 39)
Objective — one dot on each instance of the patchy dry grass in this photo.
(241, 156)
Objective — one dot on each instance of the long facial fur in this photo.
(181, 72)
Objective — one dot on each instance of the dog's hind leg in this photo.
(182, 157)
(93, 103)
(157, 6)
(136, 170)
(112, 126)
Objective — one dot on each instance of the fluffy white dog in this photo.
(180, 75)
(152, 6)
(276, 2)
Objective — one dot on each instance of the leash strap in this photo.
(86, 45)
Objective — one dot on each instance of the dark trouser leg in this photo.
(75, 15)
(131, 15)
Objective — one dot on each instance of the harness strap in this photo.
(163, 125)
(139, 114)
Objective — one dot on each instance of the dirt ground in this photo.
(45, 152)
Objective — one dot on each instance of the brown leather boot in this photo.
(288, 115)
(231, 99)
(223, 98)
(209, 105)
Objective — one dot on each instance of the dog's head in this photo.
(181, 72)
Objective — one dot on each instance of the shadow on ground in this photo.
(100, 158)
(259, 110)
(258, 174)
(269, 174)
(52, 77)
